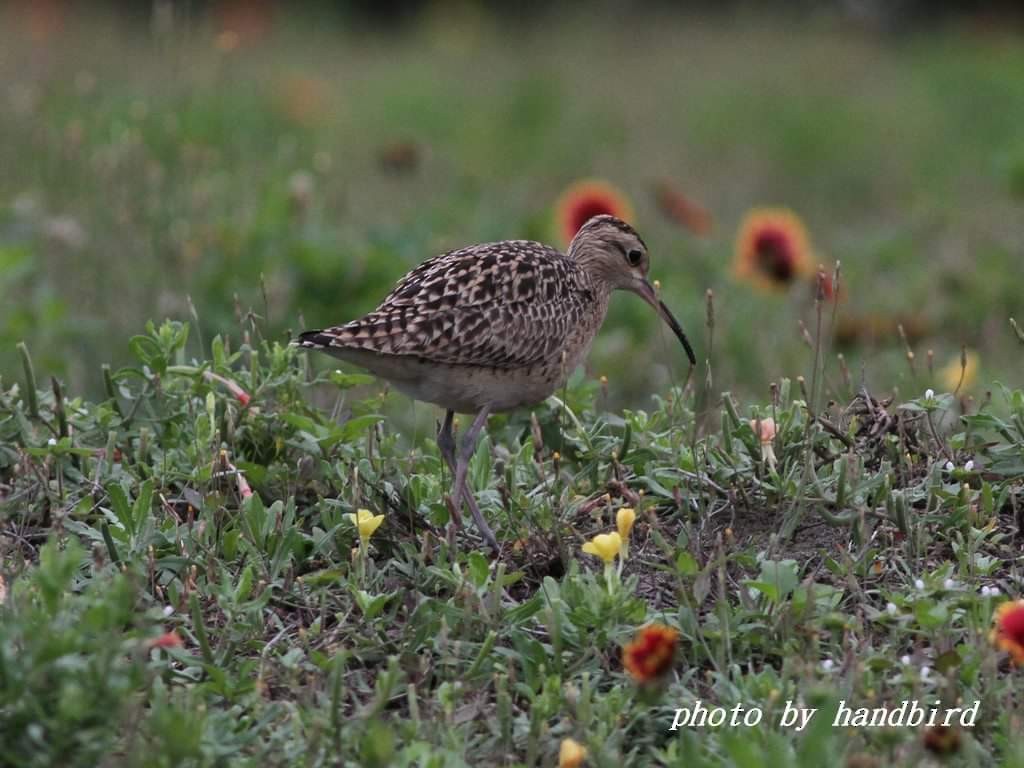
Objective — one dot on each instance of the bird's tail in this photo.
(313, 340)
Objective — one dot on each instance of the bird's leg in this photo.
(460, 489)
(446, 440)
(446, 444)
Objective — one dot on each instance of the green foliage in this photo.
(71, 660)
(842, 560)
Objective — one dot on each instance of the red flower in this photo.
(236, 391)
(586, 199)
(1008, 632)
(167, 640)
(651, 653)
(772, 248)
(941, 739)
(683, 210)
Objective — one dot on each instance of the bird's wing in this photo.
(503, 305)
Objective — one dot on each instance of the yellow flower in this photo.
(950, 374)
(571, 754)
(624, 520)
(605, 545)
(366, 522)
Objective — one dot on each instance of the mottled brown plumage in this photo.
(495, 326)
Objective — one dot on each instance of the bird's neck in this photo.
(594, 268)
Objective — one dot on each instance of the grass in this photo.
(128, 518)
(181, 584)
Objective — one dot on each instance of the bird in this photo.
(494, 327)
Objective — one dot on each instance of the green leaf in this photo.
(930, 615)
(120, 507)
(521, 613)
(356, 427)
(326, 577)
(143, 504)
(479, 569)
(371, 605)
(778, 579)
(344, 380)
(686, 565)
(244, 585)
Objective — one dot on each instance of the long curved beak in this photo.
(645, 290)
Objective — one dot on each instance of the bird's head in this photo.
(615, 257)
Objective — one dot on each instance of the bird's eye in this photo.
(634, 257)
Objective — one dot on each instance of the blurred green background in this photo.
(253, 156)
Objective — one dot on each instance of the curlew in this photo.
(493, 327)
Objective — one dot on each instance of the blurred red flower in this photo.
(167, 640)
(583, 200)
(941, 739)
(650, 654)
(772, 249)
(1008, 632)
(684, 211)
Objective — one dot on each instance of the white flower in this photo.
(918, 584)
(949, 584)
(925, 672)
(950, 466)
(929, 394)
(969, 466)
(990, 591)
(891, 609)
(905, 660)
(827, 665)
(52, 441)
(168, 610)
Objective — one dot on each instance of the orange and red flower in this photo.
(169, 639)
(571, 754)
(651, 653)
(682, 209)
(583, 200)
(941, 739)
(773, 249)
(1008, 632)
